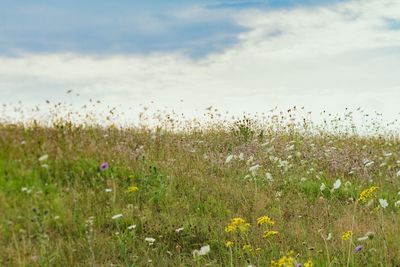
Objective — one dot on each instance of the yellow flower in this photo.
(285, 261)
(237, 224)
(308, 264)
(230, 228)
(247, 248)
(347, 235)
(367, 194)
(133, 189)
(229, 244)
(265, 220)
(268, 234)
(258, 249)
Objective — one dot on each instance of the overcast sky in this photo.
(239, 56)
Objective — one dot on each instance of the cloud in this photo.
(326, 57)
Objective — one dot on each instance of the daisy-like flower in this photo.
(265, 220)
(104, 166)
(347, 235)
(271, 233)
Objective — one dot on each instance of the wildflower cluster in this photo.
(265, 220)
(347, 235)
(289, 260)
(237, 225)
(367, 194)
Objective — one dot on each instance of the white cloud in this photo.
(330, 57)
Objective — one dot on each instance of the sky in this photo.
(238, 55)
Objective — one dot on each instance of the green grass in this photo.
(56, 212)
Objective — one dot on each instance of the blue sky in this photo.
(124, 27)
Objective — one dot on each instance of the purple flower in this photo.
(298, 265)
(358, 248)
(104, 166)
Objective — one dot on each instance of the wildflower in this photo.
(397, 204)
(44, 157)
(367, 194)
(104, 166)
(383, 202)
(229, 159)
(108, 190)
(237, 224)
(265, 220)
(150, 240)
(322, 187)
(358, 248)
(368, 235)
(269, 177)
(117, 216)
(131, 227)
(271, 233)
(368, 163)
(179, 229)
(228, 244)
(337, 184)
(247, 248)
(253, 169)
(204, 250)
(347, 235)
(284, 261)
(329, 236)
(241, 156)
(308, 264)
(398, 173)
(133, 189)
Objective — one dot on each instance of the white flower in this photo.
(368, 163)
(150, 240)
(44, 157)
(383, 202)
(131, 227)
(322, 187)
(398, 173)
(387, 154)
(241, 156)
(337, 184)
(329, 236)
(269, 177)
(363, 238)
(397, 204)
(117, 216)
(179, 229)
(229, 159)
(204, 250)
(108, 190)
(253, 169)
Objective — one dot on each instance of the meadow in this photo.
(216, 194)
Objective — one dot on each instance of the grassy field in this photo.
(223, 195)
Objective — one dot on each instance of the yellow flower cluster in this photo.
(347, 235)
(237, 225)
(265, 220)
(285, 261)
(132, 189)
(367, 194)
(268, 234)
(229, 244)
(247, 248)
